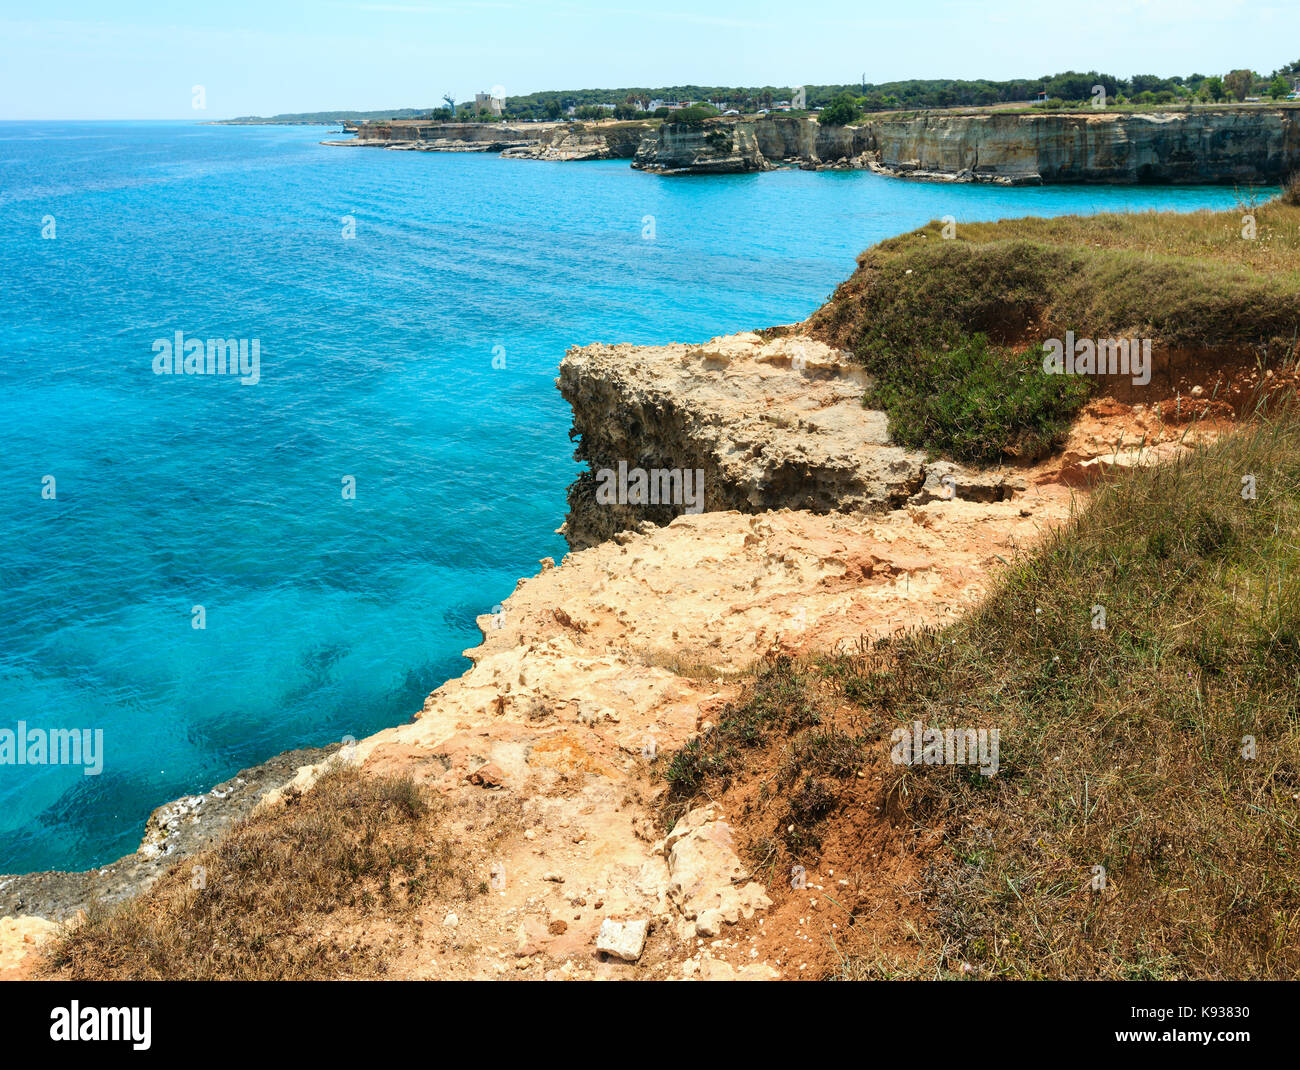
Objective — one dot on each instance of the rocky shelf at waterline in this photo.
(565, 142)
(1201, 145)
(174, 831)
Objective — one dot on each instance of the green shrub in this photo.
(843, 110)
(975, 401)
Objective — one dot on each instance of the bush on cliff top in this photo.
(692, 116)
(977, 402)
(843, 110)
(1187, 280)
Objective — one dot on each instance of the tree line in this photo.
(1069, 87)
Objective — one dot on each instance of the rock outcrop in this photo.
(522, 141)
(576, 142)
(446, 137)
(740, 422)
(707, 148)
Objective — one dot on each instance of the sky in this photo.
(131, 59)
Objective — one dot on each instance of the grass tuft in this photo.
(352, 849)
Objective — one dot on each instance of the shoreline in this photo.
(173, 831)
(817, 533)
(1212, 146)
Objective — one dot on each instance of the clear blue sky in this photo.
(117, 59)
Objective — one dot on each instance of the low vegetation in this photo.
(949, 317)
(1143, 671)
(353, 849)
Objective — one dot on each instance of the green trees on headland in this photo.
(1066, 89)
(842, 111)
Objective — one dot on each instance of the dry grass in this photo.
(1120, 747)
(1123, 747)
(690, 665)
(1186, 279)
(1197, 236)
(353, 849)
(1291, 191)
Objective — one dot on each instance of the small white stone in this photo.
(622, 939)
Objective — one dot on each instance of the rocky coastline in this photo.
(805, 531)
(1249, 145)
(173, 831)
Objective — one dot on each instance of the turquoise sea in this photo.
(328, 616)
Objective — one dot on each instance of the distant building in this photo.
(489, 103)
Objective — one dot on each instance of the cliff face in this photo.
(1249, 145)
(578, 142)
(524, 141)
(485, 137)
(709, 148)
(1260, 145)
(807, 143)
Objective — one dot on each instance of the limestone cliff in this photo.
(574, 142)
(1252, 145)
(765, 424)
(447, 137)
(708, 148)
(1203, 145)
(525, 141)
(1200, 146)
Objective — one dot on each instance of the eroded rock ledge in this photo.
(774, 423)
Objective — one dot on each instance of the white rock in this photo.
(622, 939)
